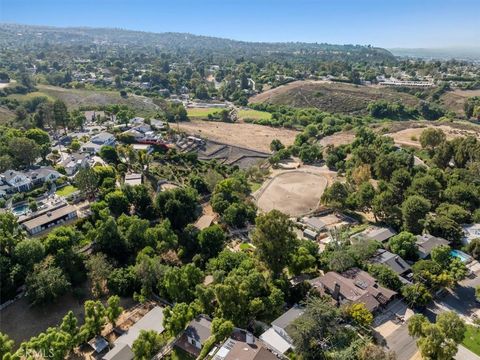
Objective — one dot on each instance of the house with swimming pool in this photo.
(49, 218)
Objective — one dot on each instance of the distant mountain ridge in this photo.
(459, 53)
(14, 34)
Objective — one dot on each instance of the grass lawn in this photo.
(245, 247)
(472, 339)
(179, 354)
(254, 186)
(254, 115)
(201, 112)
(66, 190)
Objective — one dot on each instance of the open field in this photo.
(202, 113)
(472, 339)
(6, 115)
(250, 136)
(294, 192)
(337, 139)
(455, 100)
(330, 96)
(411, 135)
(75, 98)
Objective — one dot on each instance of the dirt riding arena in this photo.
(294, 192)
(250, 136)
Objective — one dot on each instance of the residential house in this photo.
(277, 337)
(242, 345)
(195, 335)
(73, 162)
(471, 232)
(380, 234)
(354, 286)
(426, 243)
(393, 261)
(42, 175)
(122, 347)
(97, 141)
(16, 181)
(158, 124)
(49, 218)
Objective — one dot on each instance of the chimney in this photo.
(336, 290)
(250, 339)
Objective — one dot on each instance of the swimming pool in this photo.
(461, 255)
(20, 209)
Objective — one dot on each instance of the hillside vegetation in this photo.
(331, 97)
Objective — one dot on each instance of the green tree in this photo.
(274, 240)
(437, 341)
(87, 182)
(113, 309)
(60, 114)
(211, 241)
(431, 138)
(319, 321)
(148, 344)
(117, 202)
(176, 319)
(99, 269)
(414, 210)
(46, 283)
(27, 253)
(109, 154)
(404, 245)
(385, 275)
(360, 314)
(24, 151)
(276, 145)
(416, 294)
(6, 345)
(95, 319)
(336, 196)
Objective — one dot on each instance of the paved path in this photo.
(465, 354)
(401, 343)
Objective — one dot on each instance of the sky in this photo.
(385, 23)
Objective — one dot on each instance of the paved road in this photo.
(465, 354)
(401, 343)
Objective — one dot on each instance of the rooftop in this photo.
(427, 242)
(49, 216)
(393, 261)
(288, 317)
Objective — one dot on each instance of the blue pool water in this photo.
(461, 255)
(20, 210)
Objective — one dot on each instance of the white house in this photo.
(73, 162)
(16, 180)
(97, 141)
(277, 337)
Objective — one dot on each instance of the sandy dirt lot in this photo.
(294, 192)
(341, 138)
(411, 136)
(21, 321)
(250, 136)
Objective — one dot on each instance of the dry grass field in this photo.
(294, 192)
(410, 136)
(250, 136)
(331, 97)
(455, 100)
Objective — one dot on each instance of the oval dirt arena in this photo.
(294, 193)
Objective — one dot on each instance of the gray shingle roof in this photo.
(288, 317)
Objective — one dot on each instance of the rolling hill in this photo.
(331, 97)
(14, 35)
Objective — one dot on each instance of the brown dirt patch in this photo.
(294, 192)
(411, 136)
(250, 136)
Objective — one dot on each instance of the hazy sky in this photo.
(386, 23)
